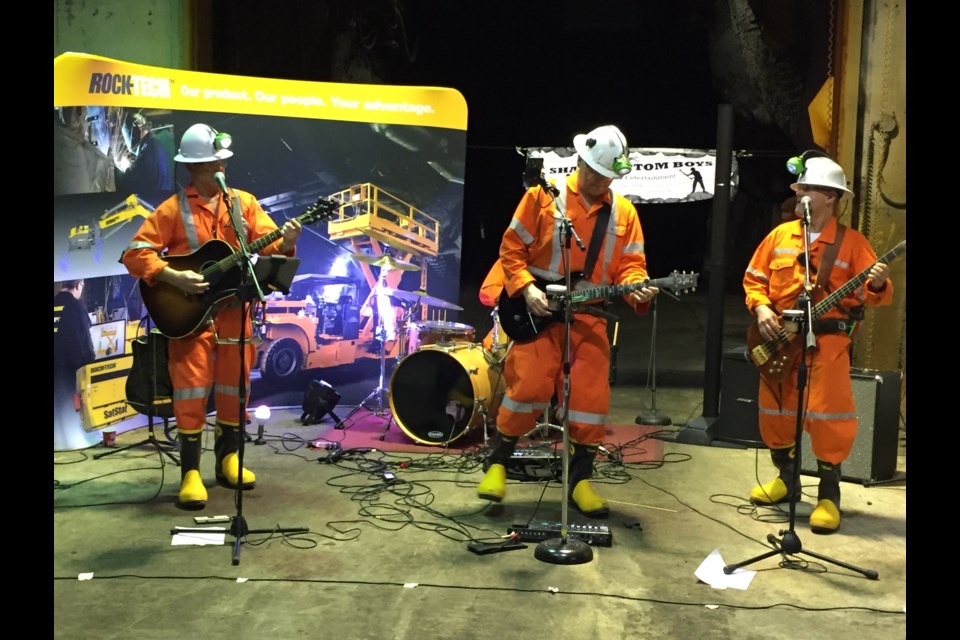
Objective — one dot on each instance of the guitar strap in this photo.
(603, 218)
(239, 224)
(826, 266)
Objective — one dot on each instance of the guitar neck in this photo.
(233, 259)
(850, 286)
(610, 291)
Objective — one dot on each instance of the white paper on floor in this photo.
(711, 572)
(217, 535)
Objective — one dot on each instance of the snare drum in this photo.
(421, 334)
(439, 393)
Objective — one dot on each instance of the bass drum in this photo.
(438, 394)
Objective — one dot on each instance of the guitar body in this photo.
(178, 314)
(773, 358)
(517, 321)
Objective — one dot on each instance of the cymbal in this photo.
(421, 297)
(385, 261)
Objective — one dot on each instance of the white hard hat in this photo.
(822, 172)
(201, 143)
(605, 150)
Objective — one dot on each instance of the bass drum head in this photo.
(438, 394)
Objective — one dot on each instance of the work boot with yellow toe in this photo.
(493, 487)
(226, 445)
(494, 484)
(580, 471)
(826, 516)
(777, 491)
(193, 495)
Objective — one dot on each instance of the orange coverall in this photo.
(775, 277)
(179, 226)
(531, 249)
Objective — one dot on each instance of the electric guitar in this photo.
(776, 358)
(521, 325)
(176, 313)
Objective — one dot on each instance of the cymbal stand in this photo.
(379, 391)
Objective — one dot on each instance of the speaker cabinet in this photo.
(874, 454)
(875, 393)
(739, 379)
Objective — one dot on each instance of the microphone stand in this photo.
(789, 543)
(565, 550)
(248, 287)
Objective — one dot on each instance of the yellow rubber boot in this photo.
(773, 492)
(579, 473)
(226, 445)
(193, 495)
(588, 502)
(494, 484)
(825, 517)
(229, 472)
(777, 490)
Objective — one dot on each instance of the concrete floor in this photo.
(392, 562)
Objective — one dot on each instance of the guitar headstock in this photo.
(319, 211)
(678, 282)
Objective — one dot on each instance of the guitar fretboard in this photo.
(850, 286)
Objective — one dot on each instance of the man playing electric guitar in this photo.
(532, 248)
(210, 356)
(772, 282)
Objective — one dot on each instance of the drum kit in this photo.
(444, 384)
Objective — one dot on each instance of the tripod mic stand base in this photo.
(563, 551)
(653, 419)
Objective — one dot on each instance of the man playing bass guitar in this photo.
(208, 357)
(773, 281)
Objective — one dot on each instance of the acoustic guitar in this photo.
(521, 325)
(776, 358)
(176, 313)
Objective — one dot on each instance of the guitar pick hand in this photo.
(187, 280)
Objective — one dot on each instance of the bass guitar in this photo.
(521, 325)
(776, 358)
(176, 313)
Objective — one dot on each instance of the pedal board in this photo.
(533, 464)
(597, 535)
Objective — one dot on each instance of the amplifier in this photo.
(875, 393)
(874, 454)
(597, 535)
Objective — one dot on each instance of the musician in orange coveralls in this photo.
(179, 226)
(772, 282)
(531, 250)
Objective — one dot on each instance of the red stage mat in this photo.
(363, 430)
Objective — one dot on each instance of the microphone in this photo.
(221, 180)
(805, 201)
(546, 186)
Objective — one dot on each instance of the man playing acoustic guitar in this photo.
(208, 356)
(839, 257)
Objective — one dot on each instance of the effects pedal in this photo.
(533, 464)
(597, 535)
(483, 548)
